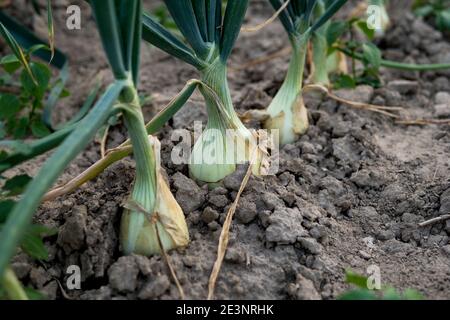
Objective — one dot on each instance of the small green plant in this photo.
(437, 10)
(369, 74)
(337, 39)
(22, 103)
(361, 292)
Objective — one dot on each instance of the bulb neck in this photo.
(215, 77)
(292, 85)
(145, 185)
(286, 111)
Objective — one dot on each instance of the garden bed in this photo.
(349, 194)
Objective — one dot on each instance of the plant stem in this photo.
(151, 202)
(400, 65)
(144, 192)
(145, 183)
(215, 77)
(12, 286)
(286, 115)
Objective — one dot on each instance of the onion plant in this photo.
(209, 37)
(152, 216)
(287, 111)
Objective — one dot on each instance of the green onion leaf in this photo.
(199, 7)
(156, 34)
(108, 26)
(284, 16)
(234, 17)
(183, 14)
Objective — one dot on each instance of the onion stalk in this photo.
(287, 112)
(210, 36)
(152, 211)
(151, 216)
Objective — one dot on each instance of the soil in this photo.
(349, 194)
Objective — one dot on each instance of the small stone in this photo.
(213, 226)
(285, 226)
(366, 178)
(264, 218)
(319, 232)
(233, 181)
(189, 195)
(363, 254)
(246, 211)
(209, 215)
(189, 261)
(271, 201)
(334, 187)
(123, 274)
(155, 288)
(303, 289)
(72, 233)
(442, 110)
(345, 149)
(391, 97)
(404, 86)
(219, 201)
(307, 148)
(308, 210)
(143, 264)
(442, 97)
(384, 235)
(235, 255)
(341, 128)
(39, 277)
(218, 190)
(379, 101)
(194, 217)
(310, 245)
